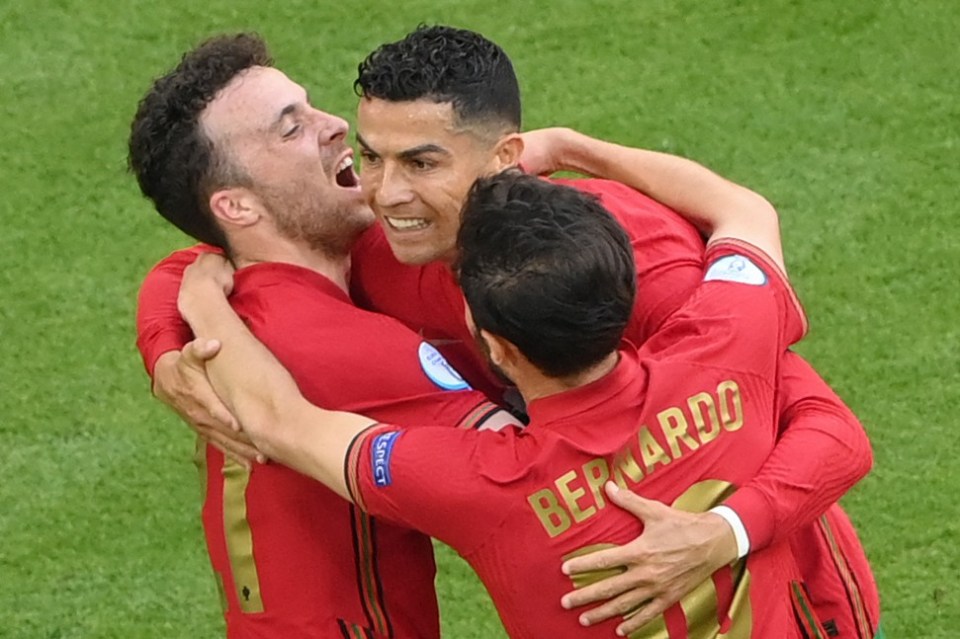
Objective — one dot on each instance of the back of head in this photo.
(547, 268)
(444, 64)
(175, 163)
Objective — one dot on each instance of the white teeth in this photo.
(406, 224)
(345, 163)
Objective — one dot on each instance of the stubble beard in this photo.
(331, 229)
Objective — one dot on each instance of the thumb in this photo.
(634, 504)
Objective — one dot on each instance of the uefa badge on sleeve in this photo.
(736, 268)
(439, 370)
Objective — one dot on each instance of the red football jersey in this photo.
(684, 421)
(669, 254)
(293, 558)
(831, 558)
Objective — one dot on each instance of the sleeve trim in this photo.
(352, 463)
(739, 531)
(480, 414)
(756, 514)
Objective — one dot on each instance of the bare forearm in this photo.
(265, 398)
(715, 205)
(244, 373)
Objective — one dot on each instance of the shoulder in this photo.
(737, 317)
(748, 272)
(304, 313)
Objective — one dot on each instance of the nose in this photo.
(332, 129)
(390, 187)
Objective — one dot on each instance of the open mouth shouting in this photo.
(345, 175)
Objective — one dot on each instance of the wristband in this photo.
(739, 531)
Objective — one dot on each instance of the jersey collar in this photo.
(568, 406)
(267, 273)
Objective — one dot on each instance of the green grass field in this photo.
(845, 114)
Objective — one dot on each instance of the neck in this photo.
(334, 268)
(533, 384)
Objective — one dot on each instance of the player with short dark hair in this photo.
(683, 420)
(468, 71)
(418, 161)
(566, 308)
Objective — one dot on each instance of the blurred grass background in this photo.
(845, 115)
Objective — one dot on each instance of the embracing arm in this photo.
(822, 452)
(176, 364)
(259, 390)
(718, 207)
(825, 451)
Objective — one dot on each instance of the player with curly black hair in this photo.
(230, 150)
(174, 160)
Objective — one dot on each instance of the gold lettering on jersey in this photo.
(704, 411)
(597, 474)
(555, 519)
(625, 466)
(571, 497)
(650, 450)
(676, 429)
(729, 394)
(577, 495)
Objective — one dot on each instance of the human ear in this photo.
(508, 151)
(234, 206)
(496, 346)
(503, 353)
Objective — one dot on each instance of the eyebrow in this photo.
(289, 109)
(284, 112)
(407, 153)
(420, 150)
